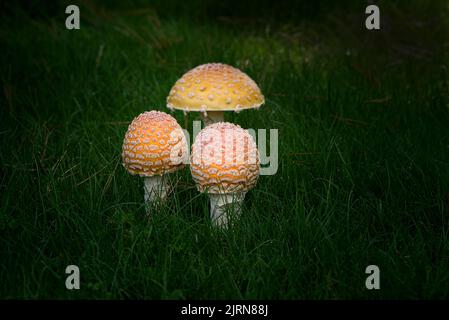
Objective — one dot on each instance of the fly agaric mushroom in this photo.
(224, 163)
(154, 145)
(212, 89)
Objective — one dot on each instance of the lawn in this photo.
(363, 178)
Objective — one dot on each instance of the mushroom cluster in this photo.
(224, 160)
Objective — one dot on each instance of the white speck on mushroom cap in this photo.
(205, 83)
(154, 144)
(224, 159)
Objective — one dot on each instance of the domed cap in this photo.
(224, 159)
(215, 87)
(154, 145)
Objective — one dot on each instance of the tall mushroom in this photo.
(212, 89)
(154, 145)
(224, 163)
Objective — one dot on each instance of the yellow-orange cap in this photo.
(215, 87)
(224, 159)
(154, 144)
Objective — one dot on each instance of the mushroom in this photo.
(224, 162)
(212, 89)
(154, 145)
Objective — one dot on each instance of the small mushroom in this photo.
(213, 88)
(224, 163)
(154, 145)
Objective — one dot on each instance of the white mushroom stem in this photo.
(210, 117)
(155, 187)
(223, 206)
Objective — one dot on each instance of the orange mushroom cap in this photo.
(224, 159)
(154, 145)
(215, 87)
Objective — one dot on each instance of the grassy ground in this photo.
(364, 158)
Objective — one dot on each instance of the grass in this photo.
(363, 160)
